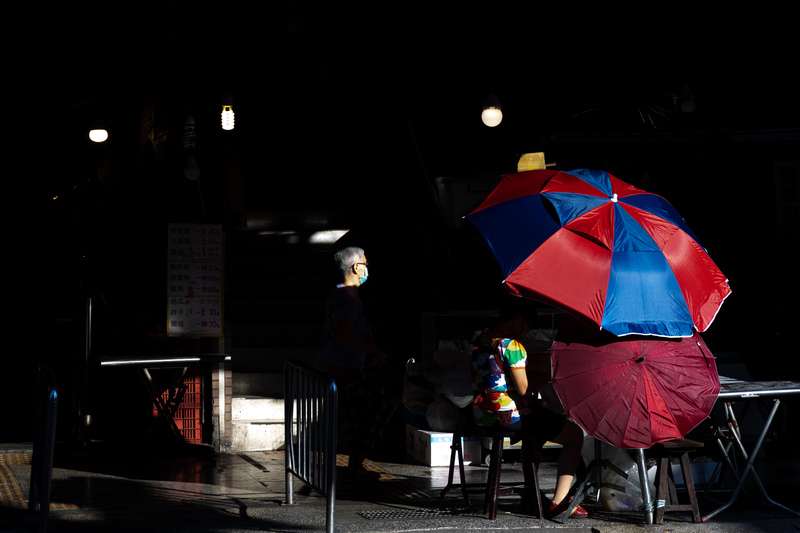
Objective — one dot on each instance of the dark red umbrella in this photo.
(634, 391)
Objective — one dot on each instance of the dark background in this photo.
(366, 116)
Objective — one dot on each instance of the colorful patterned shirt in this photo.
(492, 360)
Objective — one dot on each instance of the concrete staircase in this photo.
(258, 423)
(274, 302)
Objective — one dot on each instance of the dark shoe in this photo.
(561, 508)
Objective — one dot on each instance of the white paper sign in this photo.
(195, 276)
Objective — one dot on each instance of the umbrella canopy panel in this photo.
(605, 251)
(637, 391)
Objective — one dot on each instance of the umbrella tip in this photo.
(614, 198)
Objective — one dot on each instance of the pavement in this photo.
(113, 487)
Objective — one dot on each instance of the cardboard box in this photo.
(433, 447)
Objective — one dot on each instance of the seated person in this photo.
(504, 396)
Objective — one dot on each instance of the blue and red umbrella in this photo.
(601, 249)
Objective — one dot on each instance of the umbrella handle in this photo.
(702, 351)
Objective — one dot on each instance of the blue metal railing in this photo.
(311, 410)
(43, 444)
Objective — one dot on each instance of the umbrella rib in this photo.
(630, 416)
(601, 390)
(687, 395)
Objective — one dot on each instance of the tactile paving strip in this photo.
(10, 493)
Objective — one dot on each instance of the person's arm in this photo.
(520, 377)
(524, 382)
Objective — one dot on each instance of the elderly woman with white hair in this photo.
(347, 349)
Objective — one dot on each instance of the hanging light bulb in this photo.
(491, 115)
(227, 113)
(98, 132)
(98, 136)
(227, 118)
(190, 169)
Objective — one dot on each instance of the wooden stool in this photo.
(663, 452)
(492, 487)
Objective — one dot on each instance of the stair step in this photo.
(257, 408)
(257, 435)
(257, 424)
(258, 384)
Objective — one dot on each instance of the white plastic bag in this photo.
(441, 414)
(451, 372)
(620, 488)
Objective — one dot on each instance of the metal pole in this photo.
(644, 482)
(84, 418)
(289, 393)
(332, 400)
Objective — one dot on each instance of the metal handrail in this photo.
(43, 444)
(311, 410)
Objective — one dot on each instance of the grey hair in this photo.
(348, 257)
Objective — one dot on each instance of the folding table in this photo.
(734, 391)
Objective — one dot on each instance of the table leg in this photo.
(750, 458)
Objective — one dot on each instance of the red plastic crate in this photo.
(187, 417)
(191, 429)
